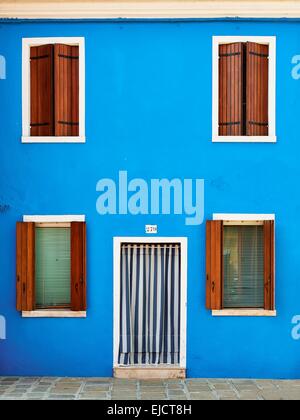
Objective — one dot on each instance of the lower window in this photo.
(51, 266)
(240, 265)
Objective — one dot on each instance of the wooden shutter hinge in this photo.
(229, 54)
(259, 54)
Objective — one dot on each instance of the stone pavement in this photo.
(42, 388)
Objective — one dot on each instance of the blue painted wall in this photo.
(148, 111)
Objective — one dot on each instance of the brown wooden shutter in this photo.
(25, 266)
(269, 265)
(231, 89)
(214, 265)
(41, 91)
(66, 80)
(257, 59)
(78, 266)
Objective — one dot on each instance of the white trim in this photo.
(117, 261)
(54, 219)
(271, 138)
(26, 44)
(244, 312)
(53, 313)
(243, 217)
(244, 139)
(51, 139)
(148, 9)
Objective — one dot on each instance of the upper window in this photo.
(53, 90)
(244, 89)
(51, 273)
(240, 265)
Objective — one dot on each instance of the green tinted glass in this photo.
(53, 267)
(243, 252)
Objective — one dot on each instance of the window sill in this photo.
(79, 139)
(244, 312)
(244, 139)
(53, 313)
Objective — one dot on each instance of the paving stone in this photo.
(175, 392)
(40, 389)
(198, 388)
(96, 388)
(32, 388)
(202, 396)
(154, 397)
(35, 395)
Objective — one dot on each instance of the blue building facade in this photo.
(148, 96)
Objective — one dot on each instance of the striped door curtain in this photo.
(150, 304)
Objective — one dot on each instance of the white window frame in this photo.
(54, 313)
(271, 42)
(118, 241)
(27, 43)
(244, 219)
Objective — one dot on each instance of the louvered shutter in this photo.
(78, 266)
(269, 265)
(257, 59)
(66, 80)
(231, 89)
(41, 91)
(214, 258)
(25, 269)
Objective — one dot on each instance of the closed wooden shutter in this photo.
(257, 59)
(25, 269)
(66, 79)
(231, 89)
(41, 91)
(78, 266)
(214, 258)
(269, 265)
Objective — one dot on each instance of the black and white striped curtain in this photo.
(150, 304)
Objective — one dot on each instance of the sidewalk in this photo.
(122, 389)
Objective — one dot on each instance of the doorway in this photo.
(150, 304)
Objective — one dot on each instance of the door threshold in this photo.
(150, 372)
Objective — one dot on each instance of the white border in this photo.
(244, 312)
(54, 219)
(26, 44)
(238, 217)
(54, 313)
(117, 261)
(271, 138)
(149, 9)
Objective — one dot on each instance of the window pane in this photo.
(243, 252)
(53, 267)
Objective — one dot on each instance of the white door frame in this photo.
(117, 282)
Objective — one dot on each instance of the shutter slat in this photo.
(257, 89)
(269, 265)
(25, 266)
(78, 266)
(41, 91)
(66, 78)
(231, 89)
(214, 245)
